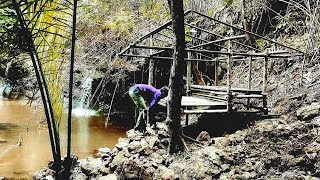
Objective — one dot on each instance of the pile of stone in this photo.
(141, 156)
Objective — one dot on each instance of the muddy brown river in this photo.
(21, 123)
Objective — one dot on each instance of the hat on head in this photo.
(164, 91)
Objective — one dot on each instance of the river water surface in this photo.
(21, 123)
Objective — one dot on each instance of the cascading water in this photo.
(2, 87)
(82, 109)
(86, 94)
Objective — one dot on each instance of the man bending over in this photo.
(145, 97)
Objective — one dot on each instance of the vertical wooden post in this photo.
(229, 93)
(216, 73)
(189, 74)
(249, 79)
(265, 79)
(150, 78)
(151, 72)
(188, 83)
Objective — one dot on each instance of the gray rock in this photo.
(203, 136)
(117, 160)
(134, 146)
(166, 174)
(308, 112)
(151, 140)
(150, 132)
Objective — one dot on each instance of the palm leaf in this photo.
(49, 22)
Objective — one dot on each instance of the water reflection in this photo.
(88, 134)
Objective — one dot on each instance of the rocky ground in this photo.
(283, 148)
(237, 147)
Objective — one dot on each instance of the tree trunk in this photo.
(175, 82)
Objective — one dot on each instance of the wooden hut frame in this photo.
(156, 45)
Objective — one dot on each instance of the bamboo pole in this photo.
(229, 97)
(71, 79)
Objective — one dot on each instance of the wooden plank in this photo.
(195, 101)
(211, 97)
(210, 91)
(248, 96)
(224, 88)
(204, 111)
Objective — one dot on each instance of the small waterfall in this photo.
(83, 105)
(86, 94)
(2, 88)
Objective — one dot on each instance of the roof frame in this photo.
(200, 48)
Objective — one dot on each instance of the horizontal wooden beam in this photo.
(202, 51)
(219, 40)
(209, 32)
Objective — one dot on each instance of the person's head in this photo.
(164, 91)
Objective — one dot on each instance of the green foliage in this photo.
(188, 32)
(260, 43)
(227, 3)
(155, 10)
(121, 24)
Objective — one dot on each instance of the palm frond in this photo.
(50, 23)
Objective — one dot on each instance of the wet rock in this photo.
(308, 112)
(203, 136)
(92, 166)
(122, 143)
(109, 177)
(103, 152)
